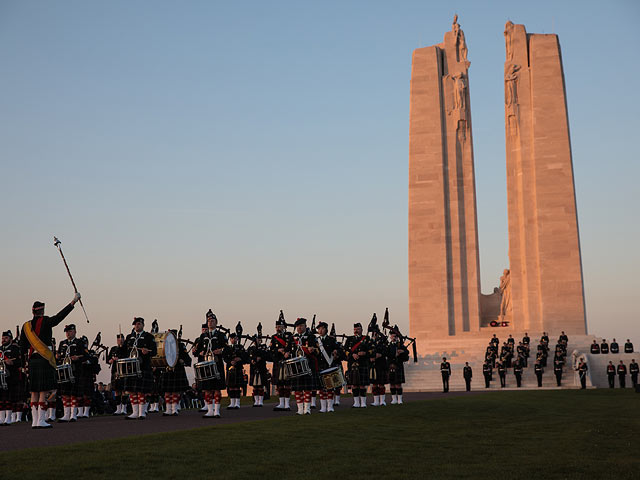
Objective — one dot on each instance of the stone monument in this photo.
(444, 282)
(542, 289)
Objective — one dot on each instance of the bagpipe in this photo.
(403, 338)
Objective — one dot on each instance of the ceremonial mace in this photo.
(57, 243)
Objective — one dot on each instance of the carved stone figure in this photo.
(461, 44)
(511, 87)
(508, 40)
(505, 290)
(459, 92)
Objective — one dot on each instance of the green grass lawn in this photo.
(591, 434)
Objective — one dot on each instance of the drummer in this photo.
(117, 382)
(73, 349)
(138, 386)
(174, 380)
(200, 358)
(280, 348)
(211, 344)
(327, 358)
(304, 385)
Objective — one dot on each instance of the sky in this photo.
(253, 156)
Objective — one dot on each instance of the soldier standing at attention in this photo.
(502, 372)
(487, 371)
(615, 348)
(628, 346)
(595, 348)
(467, 373)
(582, 371)
(539, 370)
(622, 374)
(517, 371)
(611, 374)
(445, 371)
(557, 370)
(604, 347)
(633, 370)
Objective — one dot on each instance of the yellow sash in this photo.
(38, 345)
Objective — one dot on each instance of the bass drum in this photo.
(167, 346)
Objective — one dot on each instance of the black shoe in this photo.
(277, 409)
(230, 407)
(142, 418)
(165, 414)
(313, 407)
(216, 416)
(286, 409)
(174, 414)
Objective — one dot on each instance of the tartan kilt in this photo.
(257, 377)
(214, 383)
(358, 375)
(396, 374)
(117, 383)
(143, 384)
(13, 393)
(42, 376)
(85, 382)
(235, 377)
(174, 380)
(306, 382)
(378, 374)
(277, 375)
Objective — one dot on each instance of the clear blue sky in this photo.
(252, 156)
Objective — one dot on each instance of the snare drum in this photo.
(65, 373)
(296, 367)
(332, 378)
(129, 367)
(207, 370)
(167, 350)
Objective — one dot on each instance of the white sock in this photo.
(336, 400)
(216, 409)
(323, 405)
(363, 402)
(307, 407)
(286, 402)
(399, 399)
(300, 408)
(19, 416)
(356, 401)
(3, 416)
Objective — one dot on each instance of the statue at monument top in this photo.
(461, 44)
(508, 40)
(505, 290)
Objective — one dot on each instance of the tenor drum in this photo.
(167, 350)
(332, 378)
(207, 370)
(65, 373)
(296, 367)
(129, 367)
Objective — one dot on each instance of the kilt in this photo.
(42, 376)
(13, 393)
(257, 377)
(378, 374)
(358, 375)
(306, 382)
(214, 383)
(174, 380)
(70, 389)
(277, 375)
(117, 383)
(235, 377)
(396, 374)
(143, 384)
(85, 381)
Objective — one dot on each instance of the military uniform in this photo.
(11, 395)
(611, 375)
(622, 375)
(379, 370)
(327, 345)
(71, 391)
(235, 357)
(502, 373)
(487, 372)
(281, 341)
(305, 344)
(539, 371)
(259, 355)
(397, 356)
(582, 372)
(358, 369)
(604, 347)
(445, 372)
(557, 370)
(174, 381)
(517, 372)
(117, 382)
(142, 384)
(614, 347)
(633, 370)
(595, 348)
(467, 373)
(628, 347)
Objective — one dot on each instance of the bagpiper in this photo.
(379, 370)
(10, 363)
(397, 355)
(259, 355)
(35, 337)
(89, 369)
(140, 344)
(211, 345)
(174, 380)
(358, 349)
(280, 348)
(235, 357)
(117, 383)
